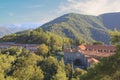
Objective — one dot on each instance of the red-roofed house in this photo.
(98, 48)
(88, 54)
(97, 51)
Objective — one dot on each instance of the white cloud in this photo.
(91, 7)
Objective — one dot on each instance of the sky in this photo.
(42, 11)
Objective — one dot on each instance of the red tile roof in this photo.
(69, 50)
(93, 61)
(97, 47)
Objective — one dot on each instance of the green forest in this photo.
(21, 64)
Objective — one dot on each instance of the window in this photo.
(105, 50)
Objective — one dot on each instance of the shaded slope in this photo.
(111, 20)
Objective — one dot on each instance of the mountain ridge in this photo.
(111, 20)
(6, 29)
(75, 26)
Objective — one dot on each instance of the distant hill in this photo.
(4, 31)
(12, 28)
(111, 20)
(86, 27)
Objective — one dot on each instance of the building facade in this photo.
(87, 55)
(97, 51)
(76, 58)
(30, 47)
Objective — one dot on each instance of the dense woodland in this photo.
(39, 36)
(20, 64)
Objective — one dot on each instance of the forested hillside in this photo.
(86, 27)
(38, 36)
(76, 26)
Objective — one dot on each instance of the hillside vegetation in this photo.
(86, 27)
(38, 36)
(76, 26)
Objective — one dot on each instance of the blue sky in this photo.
(20, 11)
(41, 11)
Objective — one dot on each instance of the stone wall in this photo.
(71, 57)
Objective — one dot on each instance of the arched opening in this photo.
(77, 62)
